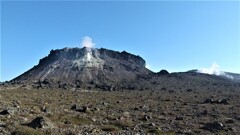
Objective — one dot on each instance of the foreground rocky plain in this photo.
(165, 111)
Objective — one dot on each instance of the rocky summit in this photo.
(85, 68)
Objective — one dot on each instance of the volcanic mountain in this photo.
(86, 67)
(92, 68)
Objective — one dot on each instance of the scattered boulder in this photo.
(104, 103)
(146, 117)
(126, 114)
(9, 111)
(179, 118)
(205, 112)
(80, 108)
(189, 90)
(2, 124)
(220, 101)
(46, 109)
(41, 122)
(229, 121)
(208, 101)
(237, 117)
(213, 127)
(163, 88)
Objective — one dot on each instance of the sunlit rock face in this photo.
(87, 65)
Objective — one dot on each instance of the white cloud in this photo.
(87, 42)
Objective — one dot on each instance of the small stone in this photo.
(230, 121)
(80, 108)
(104, 103)
(126, 114)
(93, 119)
(179, 118)
(97, 109)
(2, 124)
(152, 124)
(208, 101)
(189, 90)
(46, 109)
(118, 102)
(146, 117)
(223, 101)
(205, 112)
(237, 117)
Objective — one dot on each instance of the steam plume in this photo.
(87, 42)
(214, 70)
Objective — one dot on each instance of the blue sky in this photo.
(176, 35)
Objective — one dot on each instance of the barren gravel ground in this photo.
(63, 112)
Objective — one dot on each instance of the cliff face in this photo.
(86, 66)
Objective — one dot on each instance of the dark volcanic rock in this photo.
(9, 111)
(41, 122)
(220, 101)
(213, 127)
(80, 108)
(208, 101)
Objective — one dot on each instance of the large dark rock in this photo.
(8, 111)
(220, 101)
(213, 127)
(41, 122)
(79, 108)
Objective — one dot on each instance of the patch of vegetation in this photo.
(124, 123)
(159, 132)
(77, 120)
(109, 128)
(155, 131)
(24, 130)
